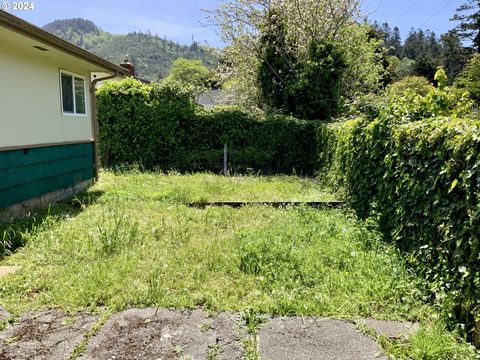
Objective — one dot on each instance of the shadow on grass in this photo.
(12, 233)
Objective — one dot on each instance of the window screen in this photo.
(67, 94)
(73, 94)
(80, 96)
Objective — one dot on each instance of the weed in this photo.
(116, 231)
(250, 347)
(213, 351)
(253, 320)
(205, 327)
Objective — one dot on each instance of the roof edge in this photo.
(15, 23)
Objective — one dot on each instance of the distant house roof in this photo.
(23, 27)
(215, 97)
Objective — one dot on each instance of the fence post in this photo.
(225, 160)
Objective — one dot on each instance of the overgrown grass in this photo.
(174, 187)
(135, 245)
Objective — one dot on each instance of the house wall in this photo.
(28, 174)
(42, 152)
(30, 101)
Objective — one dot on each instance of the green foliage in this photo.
(308, 87)
(142, 123)
(317, 89)
(276, 71)
(251, 30)
(431, 342)
(418, 176)
(398, 69)
(151, 54)
(441, 79)
(159, 125)
(190, 72)
(415, 84)
(468, 14)
(469, 79)
(436, 103)
(413, 99)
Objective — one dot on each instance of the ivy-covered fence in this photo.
(160, 126)
(421, 182)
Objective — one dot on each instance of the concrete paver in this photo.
(180, 334)
(45, 335)
(315, 339)
(166, 334)
(391, 329)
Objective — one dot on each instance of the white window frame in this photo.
(74, 75)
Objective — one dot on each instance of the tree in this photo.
(469, 79)
(240, 23)
(455, 54)
(317, 90)
(469, 28)
(307, 89)
(394, 43)
(191, 72)
(425, 66)
(276, 71)
(426, 50)
(398, 69)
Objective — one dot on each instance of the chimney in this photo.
(126, 64)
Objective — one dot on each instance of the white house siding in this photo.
(30, 102)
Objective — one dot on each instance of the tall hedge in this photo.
(421, 181)
(160, 126)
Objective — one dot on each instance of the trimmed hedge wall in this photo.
(160, 126)
(421, 181)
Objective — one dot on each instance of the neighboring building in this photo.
(216, 97)
(48, 146)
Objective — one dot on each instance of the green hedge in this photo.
(160, 126)
(421, 181)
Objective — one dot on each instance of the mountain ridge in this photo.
(151, 54)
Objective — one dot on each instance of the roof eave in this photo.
(28, 29)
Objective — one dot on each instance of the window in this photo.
(73, 94)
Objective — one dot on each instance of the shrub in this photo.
(469, 79)
(413, 99)
(160, 126)
(140, 123)
(420, 181)
(416, 84)
(417, 173)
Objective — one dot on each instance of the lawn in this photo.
(130, 241)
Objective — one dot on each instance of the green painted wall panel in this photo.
(29, 174)
(34, 172)
(17, 158)
(24, 192)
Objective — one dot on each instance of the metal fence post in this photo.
(225, 160)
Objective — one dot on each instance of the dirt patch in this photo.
(4, 314)
(45, 335)
(315, 339)
(166, 334)
(5, 270)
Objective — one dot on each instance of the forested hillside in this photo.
(151, 54)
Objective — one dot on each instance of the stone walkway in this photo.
(173, 334)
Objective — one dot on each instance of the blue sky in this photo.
(180, 19)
